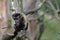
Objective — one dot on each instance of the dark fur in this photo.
(21, 25)
(17, 27)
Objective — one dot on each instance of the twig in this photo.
(57, 5)
(51, 5)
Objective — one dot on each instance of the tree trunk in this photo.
(3, 18)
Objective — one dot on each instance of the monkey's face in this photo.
(17, 19)
(20, 21)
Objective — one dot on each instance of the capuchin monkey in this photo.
(19, 25)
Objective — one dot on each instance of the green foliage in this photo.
(46, 8)
(9, 22)
(54, 3)
(52, 29)
(43, 8)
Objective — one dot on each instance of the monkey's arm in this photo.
(26, 27)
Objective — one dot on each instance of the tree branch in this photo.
(57, 5)
(51, 5)
(35, 9)
(54, 9)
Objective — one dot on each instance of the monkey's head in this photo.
(18, 18)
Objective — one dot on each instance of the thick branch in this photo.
(35, 9)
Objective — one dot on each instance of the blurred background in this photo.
(45, 23)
